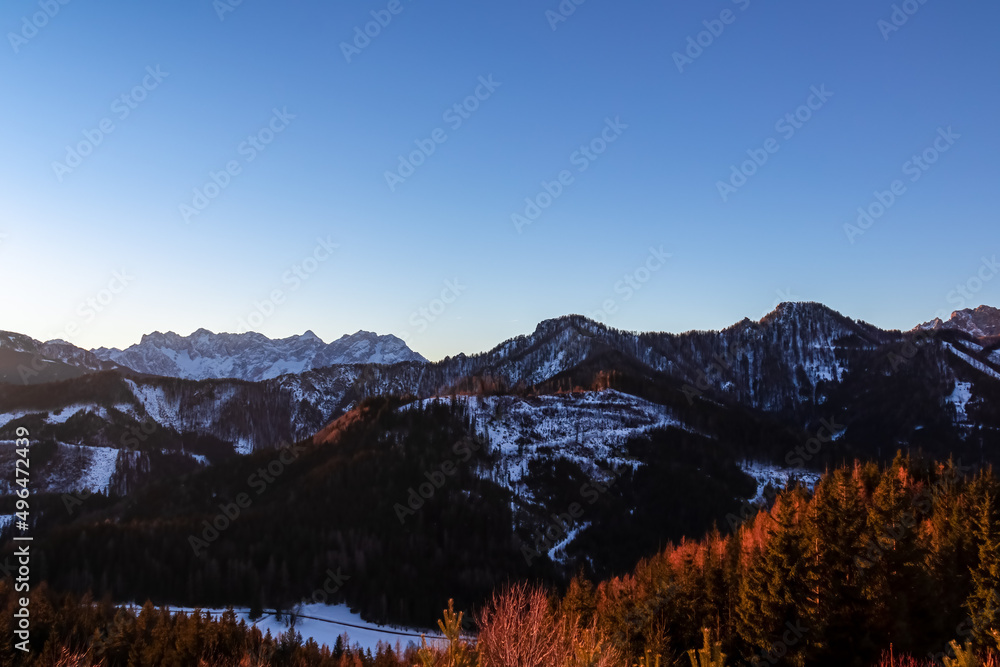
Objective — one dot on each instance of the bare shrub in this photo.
(519, 628)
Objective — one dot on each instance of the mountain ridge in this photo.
(252, 356)
(798, 365)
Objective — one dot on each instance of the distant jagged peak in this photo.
(360, 333)
(980, 322)
(253, 356)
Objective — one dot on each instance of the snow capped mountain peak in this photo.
(157, 338)
(252, 356)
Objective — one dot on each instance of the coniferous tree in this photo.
(984, 602)
(834, 534)
(773, 589)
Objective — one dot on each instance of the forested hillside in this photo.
(408, 501)
(905, 556)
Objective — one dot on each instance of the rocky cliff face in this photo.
(981, 322)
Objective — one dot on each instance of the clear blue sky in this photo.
(779, 236)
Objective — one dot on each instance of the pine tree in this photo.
(580, 602)
(773, 591)
(984, 602)
(834, 609)
(889, 566)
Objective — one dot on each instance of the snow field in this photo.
(324, 623)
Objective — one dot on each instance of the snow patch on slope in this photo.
(61, 416)
(588, 428)
(100, 466)
(777, 476)
(960, 399)
(975, 363)
(8, 417)
(969, 345)
(71, 468)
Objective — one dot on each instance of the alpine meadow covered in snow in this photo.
(676, 334)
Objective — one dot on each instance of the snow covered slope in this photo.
(325, 623)
(776, 477)
(802, 362)
(588, 428)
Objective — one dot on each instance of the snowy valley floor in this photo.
(324, 623)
